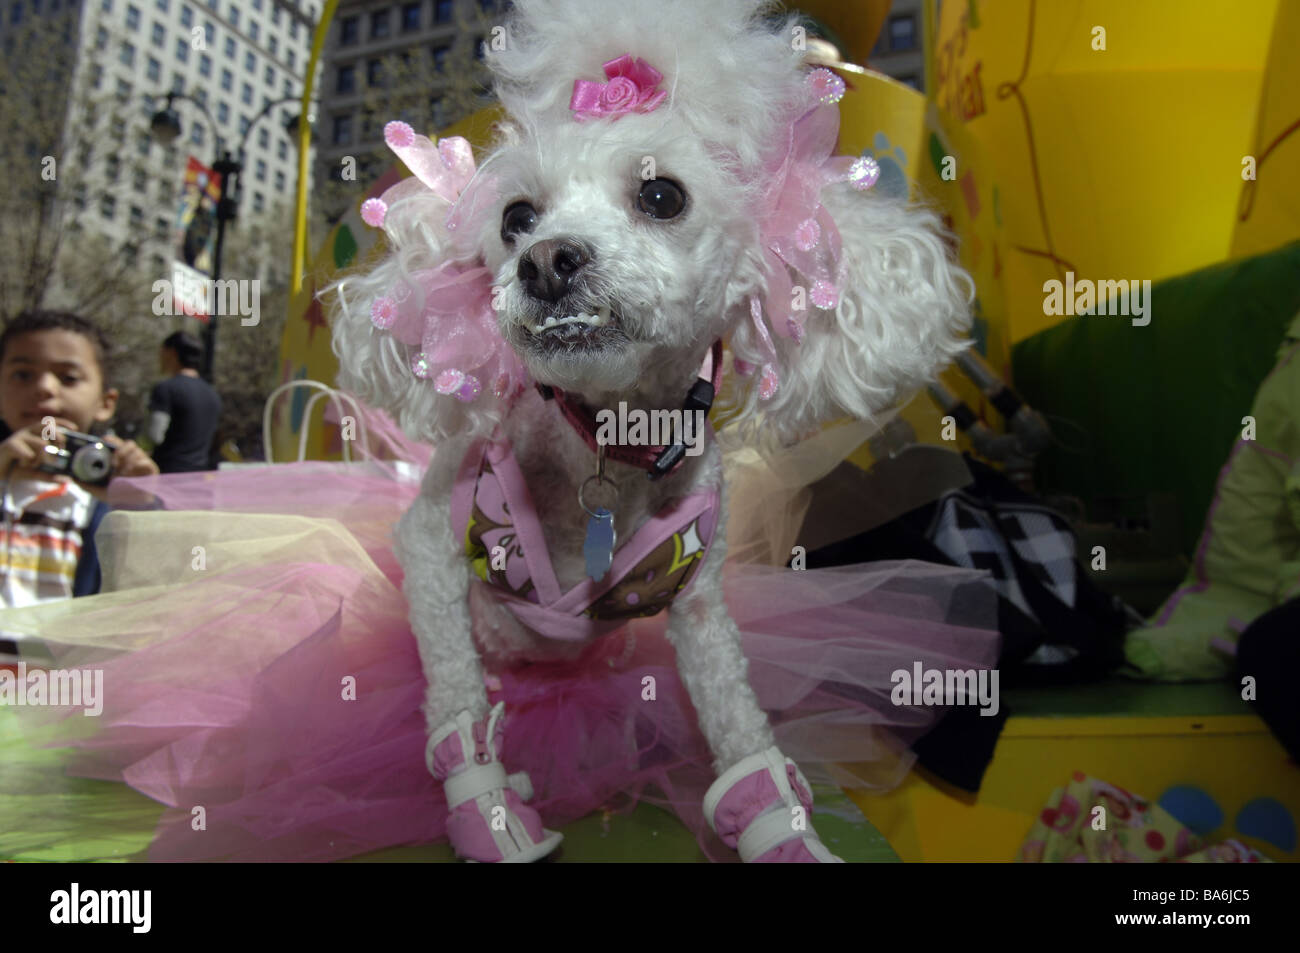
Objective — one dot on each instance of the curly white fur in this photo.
(677, 285)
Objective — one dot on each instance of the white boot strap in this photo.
(772, 759)
(764, 833)
(463, 725)
(522, 785)
(494, 717)
(434, 741)
(473, 781)
(821, 851)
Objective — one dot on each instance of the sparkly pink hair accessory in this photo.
(796, 232)
(632, 88)
(863, 173)
(445, 313)
(446, 168)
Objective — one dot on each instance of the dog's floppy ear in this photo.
(860, 305)
(416, 334)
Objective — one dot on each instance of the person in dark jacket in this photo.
(184, 409)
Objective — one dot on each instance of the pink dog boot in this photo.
(762, 807)
(488, 821)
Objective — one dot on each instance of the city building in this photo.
(414, 60)
(899, 51)
(233, 56)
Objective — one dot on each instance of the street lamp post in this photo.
(166, 128)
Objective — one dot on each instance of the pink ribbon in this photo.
(446, 312)
(632, 87)
(796, 232)
(445, 168)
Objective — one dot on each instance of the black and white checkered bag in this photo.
(966, 532)
(1047, 603)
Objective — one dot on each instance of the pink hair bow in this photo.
(796, 232)
(632, 87)
(445, 168)
(446, 312)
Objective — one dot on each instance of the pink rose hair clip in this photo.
(632, 88)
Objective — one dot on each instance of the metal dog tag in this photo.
(598, 547)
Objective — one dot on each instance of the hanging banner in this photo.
(195, 241)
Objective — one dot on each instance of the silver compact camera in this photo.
(85, 458)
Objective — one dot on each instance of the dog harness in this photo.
(491, 507)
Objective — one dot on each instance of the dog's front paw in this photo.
(488, 820)
(762, 807)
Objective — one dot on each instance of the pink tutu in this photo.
(258, 663)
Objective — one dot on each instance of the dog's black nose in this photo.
(548, 268)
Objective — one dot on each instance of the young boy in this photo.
(52, 375)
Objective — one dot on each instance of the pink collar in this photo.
(657, 461)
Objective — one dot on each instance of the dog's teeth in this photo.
(596, 320)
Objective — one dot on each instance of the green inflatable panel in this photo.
(1158, 408)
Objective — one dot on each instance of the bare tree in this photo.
(48, 161)
(61, 167)
(248, 356)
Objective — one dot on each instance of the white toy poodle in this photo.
(664, 180)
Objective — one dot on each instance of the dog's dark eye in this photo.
(519, 219)
(661, 198)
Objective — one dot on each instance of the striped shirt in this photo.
(41, 540)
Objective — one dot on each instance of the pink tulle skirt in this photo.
(258, 662)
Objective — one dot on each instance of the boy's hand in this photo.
(129, 459)
(25, 448)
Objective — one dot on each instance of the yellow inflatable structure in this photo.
(1126, 140)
